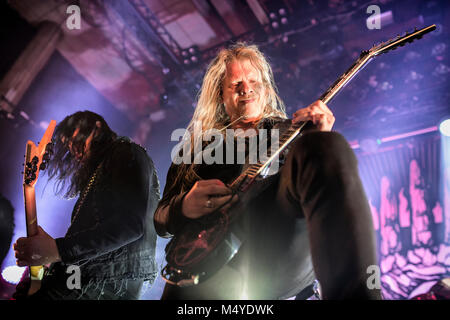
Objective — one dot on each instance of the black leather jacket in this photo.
(112, 237)
(168, 223)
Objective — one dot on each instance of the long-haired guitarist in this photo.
(312, 222)
(111, 239)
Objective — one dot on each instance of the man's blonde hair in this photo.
(210, 111)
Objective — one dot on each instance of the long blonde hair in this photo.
(210, 111)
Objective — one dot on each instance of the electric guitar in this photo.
(208, 243)
(36, 159)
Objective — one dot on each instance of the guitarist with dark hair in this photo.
(111, 238)
(313, 221)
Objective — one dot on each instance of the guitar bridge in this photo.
(179, 277)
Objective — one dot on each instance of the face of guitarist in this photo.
(82, 155)
(243, 91)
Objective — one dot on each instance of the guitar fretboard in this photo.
(255, 169)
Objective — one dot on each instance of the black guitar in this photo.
(208, 243)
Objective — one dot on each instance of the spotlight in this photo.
(13, 274)
(279, 19)
(444, 128)
(191, 56)
(164, 99)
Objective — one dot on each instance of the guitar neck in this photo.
(30, 210)
(29, 196)
(345, 78)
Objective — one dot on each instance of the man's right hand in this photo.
(205, 197)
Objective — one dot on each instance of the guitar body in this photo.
(36, 158)
(210, 242)
(199, 253)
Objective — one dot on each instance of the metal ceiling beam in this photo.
(146, 28)
(258, 11)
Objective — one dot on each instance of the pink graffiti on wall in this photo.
(411, 259)
(420, 229)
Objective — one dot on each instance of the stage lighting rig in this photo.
(279, 19)
(191, 56)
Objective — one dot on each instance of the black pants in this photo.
(314, 221)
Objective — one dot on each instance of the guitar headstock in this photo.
(400, 41)
(37, 157)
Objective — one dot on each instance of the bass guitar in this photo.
(36, 159)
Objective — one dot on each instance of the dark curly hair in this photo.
(71, 174)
